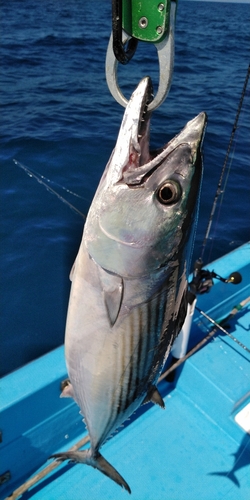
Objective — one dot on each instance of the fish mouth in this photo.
(138, 162)
(132, 147)
(141, 139)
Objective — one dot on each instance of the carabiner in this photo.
(122, 55)
(165, 50)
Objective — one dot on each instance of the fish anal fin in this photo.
(154, 396)
(97, 461)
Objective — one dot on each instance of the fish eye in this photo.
(169, 192)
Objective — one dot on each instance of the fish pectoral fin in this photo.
(95, 460)
(154, 396)
(112, 286)
(113, 303)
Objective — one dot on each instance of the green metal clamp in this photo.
(146, 20)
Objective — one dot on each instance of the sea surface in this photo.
(59, 120)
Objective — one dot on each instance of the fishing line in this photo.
(41, 180)
(208, 337)
(29, 170)
(222, 329)
(219, 191)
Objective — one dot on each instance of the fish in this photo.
(128, 296)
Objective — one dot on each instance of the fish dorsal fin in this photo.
(112, 286)
(154, 396)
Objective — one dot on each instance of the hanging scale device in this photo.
(146, 21)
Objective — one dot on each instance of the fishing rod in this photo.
(202, 280)
(219, 191)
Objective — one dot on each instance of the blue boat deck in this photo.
(198, 448)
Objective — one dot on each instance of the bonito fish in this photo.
(129, 281)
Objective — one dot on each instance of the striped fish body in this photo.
(112, 367)
(129, 281)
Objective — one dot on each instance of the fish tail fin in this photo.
(100, 463)
(97, 461)
(229, 475)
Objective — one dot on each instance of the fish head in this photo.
(145, 207)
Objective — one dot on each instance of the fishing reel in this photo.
(203, 279)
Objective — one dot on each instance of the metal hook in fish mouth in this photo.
(165, 50)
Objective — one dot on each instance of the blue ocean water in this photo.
(59, 119)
